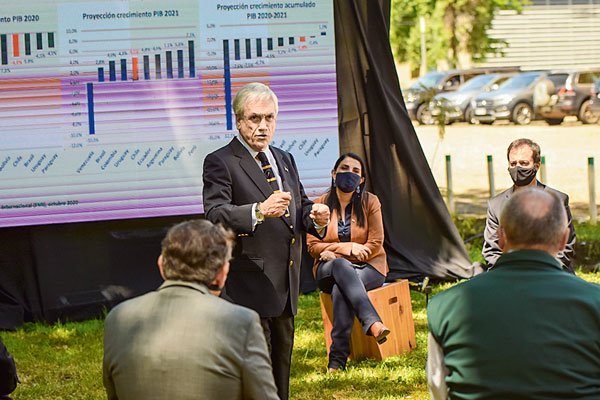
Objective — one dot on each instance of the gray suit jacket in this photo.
(180, 342)
(491, 251)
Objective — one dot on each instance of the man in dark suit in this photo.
(8, 373)
(183, 342)
(526, 329)
(254, 189)
(523, 163)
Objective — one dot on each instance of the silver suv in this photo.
(572, 97)
(513, 100)
(420, 93)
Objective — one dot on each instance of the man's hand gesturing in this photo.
(276, 205)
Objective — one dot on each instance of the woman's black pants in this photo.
(348, 284)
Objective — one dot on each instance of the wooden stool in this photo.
(392, 302)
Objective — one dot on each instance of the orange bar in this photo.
(15, 44)
(134, 67)
(302, 38)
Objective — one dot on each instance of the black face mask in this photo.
(522, 176)
(347, 182)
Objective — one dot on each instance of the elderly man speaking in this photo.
(526, 329)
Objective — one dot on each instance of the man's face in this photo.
(521, 156)
(257, 124)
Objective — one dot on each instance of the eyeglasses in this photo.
(257, 118)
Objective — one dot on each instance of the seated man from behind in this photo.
(182, 341)
(525, 329)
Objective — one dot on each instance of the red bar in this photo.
(15, 44)
(302, 38)
(134, 68)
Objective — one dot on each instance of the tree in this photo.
(456, 31)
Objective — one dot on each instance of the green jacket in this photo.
(524, 330)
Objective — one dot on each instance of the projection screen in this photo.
(108, 108)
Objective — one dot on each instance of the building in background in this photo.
(549, 34)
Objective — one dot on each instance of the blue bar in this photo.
(236, 49)
(258, 48)
(270, 44)
(192, 59)
(169, 65)
(4, 45)
(157, 71)
(248, 50)
(28, 44)
(280, 41)
(111, 71)
(90, 101)
(100, 74)
(227, 76)
(146, 67)
(291, 39)
(180, 63)
(123, 69)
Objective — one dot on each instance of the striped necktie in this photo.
(268, 171)
(270, 175)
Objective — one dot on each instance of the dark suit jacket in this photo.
(491, 251)
(181, 343)
(265, 269)
(8, 372)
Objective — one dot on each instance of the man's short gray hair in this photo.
(534, 217)
(254, 91)
(195, 251)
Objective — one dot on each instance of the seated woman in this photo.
(350, 259)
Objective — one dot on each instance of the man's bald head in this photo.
(534, 219)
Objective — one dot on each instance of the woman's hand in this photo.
(327, 255)
(360, 252)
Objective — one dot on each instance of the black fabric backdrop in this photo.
(74, 271)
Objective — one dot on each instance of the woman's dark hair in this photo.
(358, 200)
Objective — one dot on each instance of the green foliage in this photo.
(453, 27)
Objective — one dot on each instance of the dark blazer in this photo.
(265, 269)
(491, 251)
(181, 342)
(8, 372)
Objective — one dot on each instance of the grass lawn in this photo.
(63, 361)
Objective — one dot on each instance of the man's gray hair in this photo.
(195, 251)
(534, 217)
(251, 92)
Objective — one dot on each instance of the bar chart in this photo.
(109, 108)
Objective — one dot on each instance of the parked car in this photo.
(457, 105)
(418, 95)
(572, 98)
(595, 99)
(513, 100)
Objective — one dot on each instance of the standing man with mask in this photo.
(523, 163)
(255, 190)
